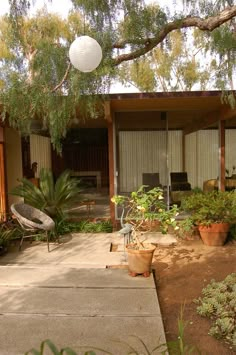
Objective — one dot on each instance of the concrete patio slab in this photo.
(69, 296)
(59, 276)
(86, 302)
(108, 333)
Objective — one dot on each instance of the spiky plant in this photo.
(52, 198)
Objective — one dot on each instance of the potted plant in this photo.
(213, 212)
(143, 207)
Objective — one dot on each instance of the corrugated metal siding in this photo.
(145, 152)
(40, 151)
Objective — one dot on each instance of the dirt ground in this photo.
(181, 272)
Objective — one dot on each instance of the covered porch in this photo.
(151, 133)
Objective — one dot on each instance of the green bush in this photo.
(64, 227)
(7, 234)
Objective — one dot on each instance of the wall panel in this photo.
(230, 151)
(40, 151)
(145, 152)
(201, 153)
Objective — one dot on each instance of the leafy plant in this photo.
(179, 346)
(55, 351)
(144, 206)
(211, 207)
(8, 231)
(52, 198)
(186, 228)
(64, 227)
(218, 302)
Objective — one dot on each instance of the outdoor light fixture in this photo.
(85, 54)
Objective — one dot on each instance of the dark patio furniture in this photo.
(152, 180)
(179, 182)
(32, 220)
(179, 187)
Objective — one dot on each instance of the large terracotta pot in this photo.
(214, 234)
(140, 261)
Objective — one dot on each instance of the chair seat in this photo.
(180, 186)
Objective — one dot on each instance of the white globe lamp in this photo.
(85, 54)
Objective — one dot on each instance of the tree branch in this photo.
(63, 79)
(208, 24)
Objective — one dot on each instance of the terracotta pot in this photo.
(140, 261)
(214, 234)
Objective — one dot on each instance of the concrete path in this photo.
(70, 297)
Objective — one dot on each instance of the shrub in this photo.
(64, 227)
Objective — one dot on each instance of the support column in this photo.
(221, 128)
(3, 203)
(108, 116)
(183, 152)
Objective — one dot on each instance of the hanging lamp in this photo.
(85, 54)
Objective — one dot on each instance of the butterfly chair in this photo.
(32, 221)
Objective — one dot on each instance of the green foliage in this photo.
(218, 302)
(147, 205)
(64, 227)
(54, 350)
(211, 207)
(186, 228)
(37, 81)
(52, 198)
(6, 234)
(180, 346)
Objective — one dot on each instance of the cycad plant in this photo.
(52, 198)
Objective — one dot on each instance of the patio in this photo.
(76, 296)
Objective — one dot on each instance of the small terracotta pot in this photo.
(214, 234)
(140, 261)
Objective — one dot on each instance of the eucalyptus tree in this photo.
(37, 79)
(178, 65)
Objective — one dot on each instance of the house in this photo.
(139, 133)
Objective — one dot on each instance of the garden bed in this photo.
(181, 273)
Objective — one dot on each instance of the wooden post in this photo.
(3, 200)
(108, 117)
(221, 127)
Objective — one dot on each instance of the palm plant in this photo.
(52, 198)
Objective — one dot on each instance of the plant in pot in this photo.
(213, 212)
(142, 208)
